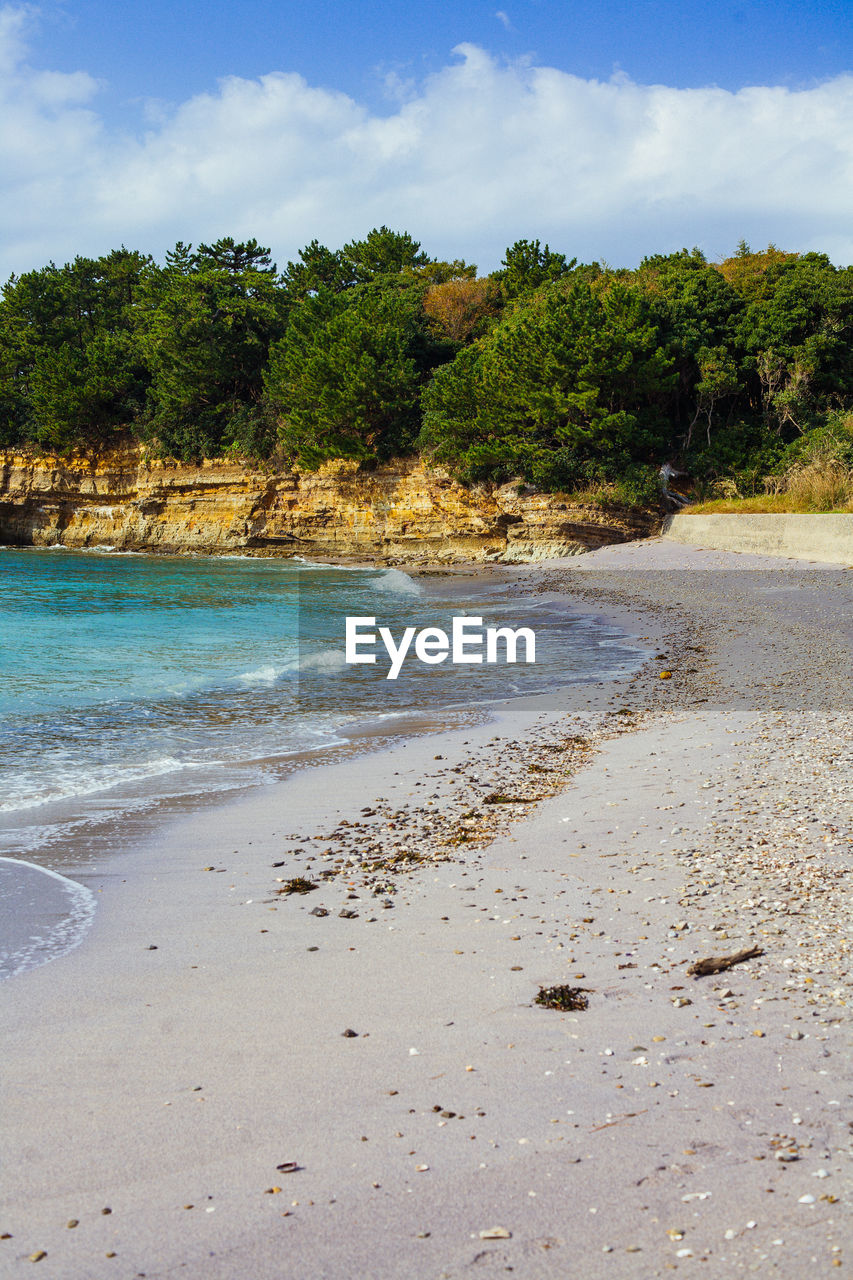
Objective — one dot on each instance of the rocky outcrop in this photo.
(399, 512)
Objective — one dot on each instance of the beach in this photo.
(225, 1080)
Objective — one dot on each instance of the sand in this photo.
(157, 1077)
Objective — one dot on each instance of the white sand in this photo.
(608, 1142)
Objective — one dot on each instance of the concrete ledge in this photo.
(827, 538)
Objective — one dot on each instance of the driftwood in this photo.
(718, 964)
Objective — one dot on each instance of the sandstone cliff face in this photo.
(401, 512)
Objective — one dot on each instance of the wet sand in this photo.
(186, 1067)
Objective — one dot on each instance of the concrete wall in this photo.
(826, 538)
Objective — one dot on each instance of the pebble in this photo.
(496, 1233)
(752, 888)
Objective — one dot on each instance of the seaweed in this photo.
(563, 998)
(298, 885)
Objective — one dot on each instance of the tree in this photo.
(718, 383)
(527, 266)
(317, 268)
(345, 380)
(382, 252)
(206, 328)
(72, 370)
(462, 309)
(751, 274)
(795, 332)
(567, 378)
(697, 313)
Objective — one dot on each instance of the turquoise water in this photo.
(121, 670)
(130, 680)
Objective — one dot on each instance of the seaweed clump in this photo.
(298, 885)
(563, 998)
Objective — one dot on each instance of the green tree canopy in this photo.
(345, 380)
(526, 266)
(566, 378)
(206, 325)
(71, 369)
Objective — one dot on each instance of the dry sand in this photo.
(156, 1078)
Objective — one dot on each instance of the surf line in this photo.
(466, 643)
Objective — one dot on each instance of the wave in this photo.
(397, 583)
(108, 549)
(90, 781)
(265, 675)
(328, 660)
(48, 938)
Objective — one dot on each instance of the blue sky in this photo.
(610, 129)
(171, 51)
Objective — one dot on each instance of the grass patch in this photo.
(818, 483)
(767, 504)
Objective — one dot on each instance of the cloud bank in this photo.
(479, 154)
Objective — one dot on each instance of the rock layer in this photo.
(401, 511)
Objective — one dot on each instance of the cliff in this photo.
(400, 512)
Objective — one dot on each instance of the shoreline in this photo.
(203, 1022)
(73, 833)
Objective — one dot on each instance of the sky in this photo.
(611, 130)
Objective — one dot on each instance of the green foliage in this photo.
(526, 266)
(638, 485)
(381, 253)
(317, 268)
(831, 438)
(71, 369)
(583, 377)
(696, 312)
(569, 376)
(205, 327)
(346, 378)
(796, 335)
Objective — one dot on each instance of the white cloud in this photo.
(476, 156)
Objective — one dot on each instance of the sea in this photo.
(128, 680)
